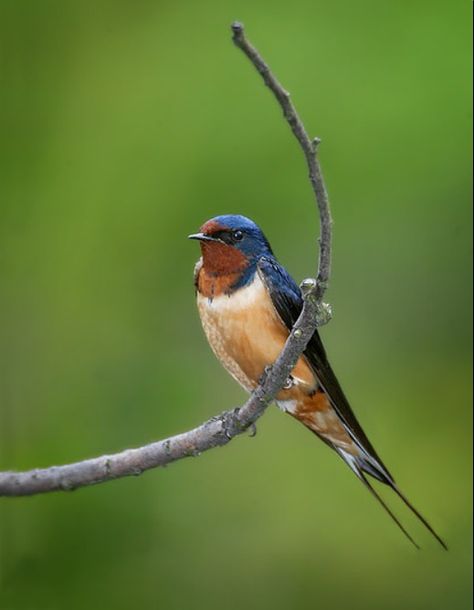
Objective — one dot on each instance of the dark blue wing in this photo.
(288, 302)
(286, 298)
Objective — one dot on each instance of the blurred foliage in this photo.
(123, 126)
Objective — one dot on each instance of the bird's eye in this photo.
(237, 235)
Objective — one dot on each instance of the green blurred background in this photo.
(123, 126)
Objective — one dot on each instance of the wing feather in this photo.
(288, 302)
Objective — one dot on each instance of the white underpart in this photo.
(351, 460)
(287, 406)
(241, 299)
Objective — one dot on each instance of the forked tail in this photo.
(365, 464)
(419, 516)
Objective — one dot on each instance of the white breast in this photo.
(239, 302)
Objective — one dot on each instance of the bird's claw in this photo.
(230, 422)
(232, 425)
(289, 383)
(266, 371)
(252, 430)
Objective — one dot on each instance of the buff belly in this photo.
(246, 334)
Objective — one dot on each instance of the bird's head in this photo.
(231, 244)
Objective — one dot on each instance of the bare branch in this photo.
(217, 431)
(310, 149)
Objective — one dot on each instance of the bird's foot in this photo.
(232, 425)
(252, 430)
(266, 372)
(289, 383)
(230, 422)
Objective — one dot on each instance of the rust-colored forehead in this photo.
(211, 226)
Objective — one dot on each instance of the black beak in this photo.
(202, 237)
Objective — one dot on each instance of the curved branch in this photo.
(217, 431)
(310, 149)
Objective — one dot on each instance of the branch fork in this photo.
(220, 430)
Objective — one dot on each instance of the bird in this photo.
(248, 304)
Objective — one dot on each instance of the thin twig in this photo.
(310, 150)
(217, 431)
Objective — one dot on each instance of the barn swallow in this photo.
(248, 304)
